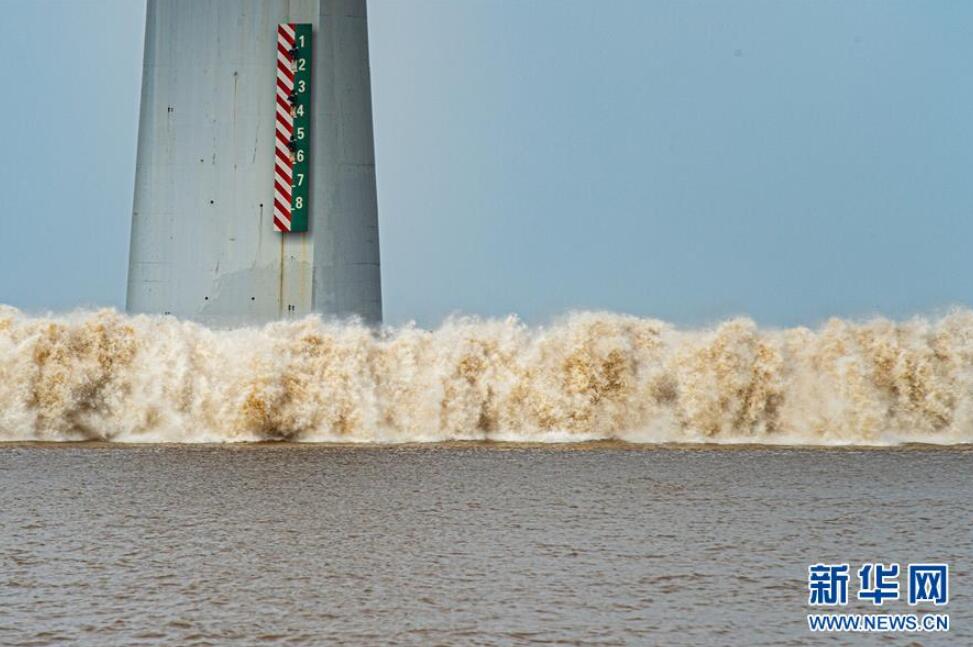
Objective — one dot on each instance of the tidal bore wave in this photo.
(106, 376)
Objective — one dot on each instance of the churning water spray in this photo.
(103, 375)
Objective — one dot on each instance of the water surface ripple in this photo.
(459, 544)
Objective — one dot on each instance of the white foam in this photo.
(103, 375)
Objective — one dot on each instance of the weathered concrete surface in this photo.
(203, 242)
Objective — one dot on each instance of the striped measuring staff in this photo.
(292, 137)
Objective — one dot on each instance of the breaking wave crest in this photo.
(107, 376)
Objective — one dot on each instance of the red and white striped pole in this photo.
(291, 157)
(283, 160)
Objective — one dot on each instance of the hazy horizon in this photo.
(686, 161)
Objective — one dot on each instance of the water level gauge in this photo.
(293, 138)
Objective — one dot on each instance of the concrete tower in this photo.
(204, 244)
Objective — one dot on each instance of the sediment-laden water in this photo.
(107, 376)
(482, 544)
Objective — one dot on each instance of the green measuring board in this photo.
(292, 155)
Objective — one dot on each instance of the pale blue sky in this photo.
(685, 160)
